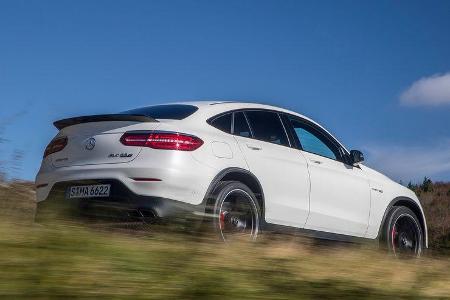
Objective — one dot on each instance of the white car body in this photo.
(299, 189)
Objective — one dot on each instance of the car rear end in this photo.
(134, 164)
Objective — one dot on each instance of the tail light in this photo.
(55, 145)
(162, 140)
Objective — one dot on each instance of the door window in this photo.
(312, 140)
(267, 126)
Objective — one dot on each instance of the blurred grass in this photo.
(68, 260)
(17, 200)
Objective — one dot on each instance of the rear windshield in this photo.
(167, 111)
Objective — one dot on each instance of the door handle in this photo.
(316, 161)
(252, 147)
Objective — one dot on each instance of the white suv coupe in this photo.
(249, 167)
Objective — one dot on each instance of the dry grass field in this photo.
(67, 260)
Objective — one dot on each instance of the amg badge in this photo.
(112, 155)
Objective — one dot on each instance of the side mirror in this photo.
(356, 157)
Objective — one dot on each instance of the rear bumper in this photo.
(182, 178)
(122, 205)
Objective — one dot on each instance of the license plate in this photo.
(89, 191)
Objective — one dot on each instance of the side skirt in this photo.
(275, 228)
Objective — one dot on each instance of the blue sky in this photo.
(374, 73)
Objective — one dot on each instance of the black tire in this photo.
(236, 211)
(402, 233)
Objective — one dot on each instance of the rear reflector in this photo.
(55, 146)
(162, 140)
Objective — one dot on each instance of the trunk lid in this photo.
(98, 142)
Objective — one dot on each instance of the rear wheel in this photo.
(402, 233)
(236, 212)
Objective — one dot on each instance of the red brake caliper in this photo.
(393, 234)
(222, 219)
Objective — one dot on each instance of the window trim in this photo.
(295, 143)
(285, 130)
(246, 121)
(252, 136)
(292, 138)
(252, 132)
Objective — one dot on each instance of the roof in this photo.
(215, 107)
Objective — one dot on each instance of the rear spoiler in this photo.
(60, 124)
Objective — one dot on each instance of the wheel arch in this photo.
(411, 204)
(242, 175)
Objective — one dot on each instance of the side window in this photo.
(240, 125)
(223, 123)
(313, 141)
(267, 127)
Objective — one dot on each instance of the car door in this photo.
(282, 172)
(340, 193)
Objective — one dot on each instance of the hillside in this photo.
(435, 199)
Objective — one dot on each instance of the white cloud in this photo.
(434, 90)
(411, 163)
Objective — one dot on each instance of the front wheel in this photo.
(402, 233)
(236, 211)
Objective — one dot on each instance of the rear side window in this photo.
(267, 126)
(167, 111)
(223, 123)
(240, 125)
